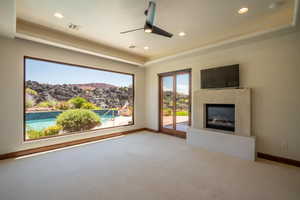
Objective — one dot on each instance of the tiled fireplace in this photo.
(225, 110)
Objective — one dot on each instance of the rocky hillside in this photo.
(182, 100)
(92, 86)
(101, 94)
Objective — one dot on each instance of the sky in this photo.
(53, 73)
(182, 83)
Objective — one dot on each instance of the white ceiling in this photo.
(205, 21)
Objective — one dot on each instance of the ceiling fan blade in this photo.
(131, 30)
(150, 12)
(161, 32)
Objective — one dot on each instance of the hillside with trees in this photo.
(101, 95)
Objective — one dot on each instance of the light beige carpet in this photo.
(144, 166)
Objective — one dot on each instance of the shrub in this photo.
(34, 134)
(167, 111)
(63, 105)
(78, 120)
(90, 106)
(43, 104)
(98, 108)
(52, 130)
(31, 91)
(29, 104)
(47, 104)
(182, 113)
(77, 102)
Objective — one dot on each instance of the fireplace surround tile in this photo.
(241, 98)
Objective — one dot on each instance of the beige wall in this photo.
(271, 68)
(11, 82)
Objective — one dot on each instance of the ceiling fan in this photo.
(149, 25)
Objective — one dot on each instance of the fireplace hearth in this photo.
(220, 116)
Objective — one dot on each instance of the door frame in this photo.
(173, 131)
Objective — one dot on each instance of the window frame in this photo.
(75, 65)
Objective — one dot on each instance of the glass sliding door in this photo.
(168, 102)
(175, 102)
(182, 101)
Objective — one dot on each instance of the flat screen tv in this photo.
(220, 77)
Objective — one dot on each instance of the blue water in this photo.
(40, 124)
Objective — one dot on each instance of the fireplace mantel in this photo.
(241, 98)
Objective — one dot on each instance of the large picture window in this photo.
(64, 99)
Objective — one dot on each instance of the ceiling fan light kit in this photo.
(149, 25)
(148, 28)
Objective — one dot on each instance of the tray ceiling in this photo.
(205, 22)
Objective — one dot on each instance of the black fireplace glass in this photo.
(220, 116)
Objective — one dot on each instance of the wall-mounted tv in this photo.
(220, 77)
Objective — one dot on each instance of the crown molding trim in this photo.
(56, 44)
(41, 34)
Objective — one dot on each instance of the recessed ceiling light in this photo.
(182, 34)
(146, 48)
(243, 10)
(58, 15)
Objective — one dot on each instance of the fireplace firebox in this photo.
(220, 116)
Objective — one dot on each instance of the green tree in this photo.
(29, 104)
(31, 91)
(90, 106)
(63, 105)
(77, 102)
(47, 104)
